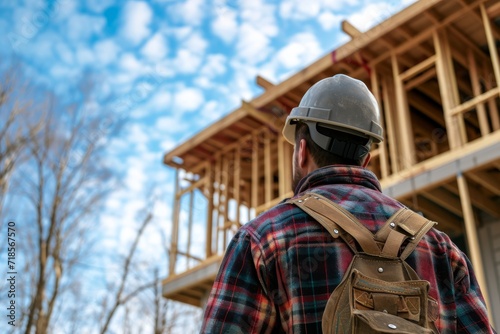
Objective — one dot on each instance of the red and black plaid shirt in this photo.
(280, 268)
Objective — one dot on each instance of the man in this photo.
(280, 268)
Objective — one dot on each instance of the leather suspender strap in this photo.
(402, 225)
(411, 223)
(334, 213)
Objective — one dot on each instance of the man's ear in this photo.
(302, 154)
(367, 160)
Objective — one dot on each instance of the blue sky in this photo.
(171, 67)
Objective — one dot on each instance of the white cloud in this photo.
(137, 18)
(161, 100)
(211, 111)
(190, 12)
(253, 45)
(65, 53)
(129, 63)
(106, 51)
(190, 54)
(303, 49)
(81, 26)
(188, 99)
(328, 20)
(371, 15)
(170, 125)
(225, 26)
(155, 48)
(187, 62)
(84, 55)
(195, 43)
(99, 6)
(299, 10)
(260, 15)
(216, 64)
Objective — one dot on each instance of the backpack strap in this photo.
(321, 209)
(404, 224)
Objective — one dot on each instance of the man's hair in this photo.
(320, 156)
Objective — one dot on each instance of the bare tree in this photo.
(15, 128)
(121, 297)
(64, 182)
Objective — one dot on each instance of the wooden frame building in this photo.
(434, 68)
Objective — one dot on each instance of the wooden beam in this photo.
(472, 238)
(476, 89)
(484, 179)
(349, 29)
(237, 182)
(268, 120)
(267, 167)
(447, 86)
(281, 165)
(390, 119)
(426, 76)
(419, 68)
(384, 159)
(210, 211)
(175, 227)
(225, 197)
(494, 10)
(255, 171)
(407, 152)
(264, 83)
(479, 199)
(491, 43)
(472, 103)
(445, 199)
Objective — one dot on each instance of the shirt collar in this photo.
(339, 174)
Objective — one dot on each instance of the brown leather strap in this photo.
(407, 224)
(333, 215)
(415, 220)
(393, 243)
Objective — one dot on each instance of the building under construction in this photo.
(434, 68)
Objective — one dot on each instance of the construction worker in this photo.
(280, 268)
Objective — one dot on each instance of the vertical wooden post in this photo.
(404, 120)
(472, 238)
(225, 195)
(447, 88)
(281, 165)
(210, 210)
(384, 166)
(267, 167)
(476, 89)
(190, 228)
(287, 165)
(491, 43)
(236, 183)
(492, 104)
(255, 171)
(175, 226)
(218, 181)
(388, 93)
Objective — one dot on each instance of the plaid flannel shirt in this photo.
(280, 268)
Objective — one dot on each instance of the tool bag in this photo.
(380, 292)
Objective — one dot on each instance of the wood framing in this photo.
(434, 69)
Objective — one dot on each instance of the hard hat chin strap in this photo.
(340, 143)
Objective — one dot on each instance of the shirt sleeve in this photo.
(472, 315)
(238, 302)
